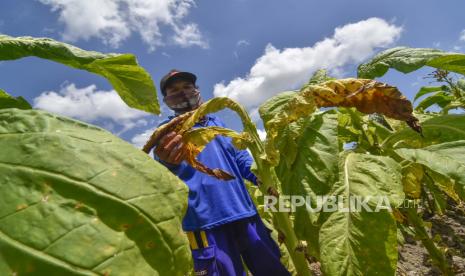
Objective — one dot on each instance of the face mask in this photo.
(183, 101)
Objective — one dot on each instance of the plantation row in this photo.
(77, 200)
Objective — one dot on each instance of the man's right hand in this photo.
(169, 149)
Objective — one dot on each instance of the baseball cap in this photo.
(174, 75)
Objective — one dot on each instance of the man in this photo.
(221, 222)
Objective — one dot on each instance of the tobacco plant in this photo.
(77, 200)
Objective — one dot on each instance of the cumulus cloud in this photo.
(278, 70)
(91, 105)
(140, 139)
(462, 35)
(113, 21)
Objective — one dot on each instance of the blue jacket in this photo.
(213, 202)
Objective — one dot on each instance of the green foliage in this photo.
(428, 90)
(8, 101)
(446, 159)
(407, 60)
(132, 82)
(77, 200)
(438, 129)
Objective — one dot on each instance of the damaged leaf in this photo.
(196, 139)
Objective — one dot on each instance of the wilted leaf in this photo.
(280, 111)
(8, 101)
(183, 123)
(412, 177)
(200, 137)
(196, 139)
(131, 81)
(367, 96)
(77, 200)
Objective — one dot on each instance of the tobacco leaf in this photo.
(77, 200)
(195, 140)
(367, 96)
(132, 83)
(407, 60)
(8, 101)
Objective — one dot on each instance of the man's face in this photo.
(178, 86)
(182, 96)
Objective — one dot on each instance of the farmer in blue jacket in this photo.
(221, 222)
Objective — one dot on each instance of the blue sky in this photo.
(246, 49)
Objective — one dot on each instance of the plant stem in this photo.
(281, 221)
(437, 256)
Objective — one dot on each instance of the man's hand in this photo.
(170, 147)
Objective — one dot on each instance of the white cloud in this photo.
(261, 134)
(462, 35)
(278, 70)
(189, 35)
(93, 106)
(242, 42)
(140, 139)
(113, 21)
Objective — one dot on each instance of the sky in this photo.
(248, 50)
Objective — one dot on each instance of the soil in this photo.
(413, 257)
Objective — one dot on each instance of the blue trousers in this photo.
(222, 251)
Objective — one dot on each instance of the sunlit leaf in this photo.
(407, 60)
(440, 98)
(8, 101)
(133, 84)
(77, 200)
(428, 90)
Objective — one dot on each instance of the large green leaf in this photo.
(8, 101)
(436, 130)
(358, 243)
(131, 81)
(407, 60)
(363, 242)
(447, 159)
(428, 90)
(440, 98)
(76, 200)
(309, 168)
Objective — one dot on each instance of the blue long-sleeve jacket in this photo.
(213, 202)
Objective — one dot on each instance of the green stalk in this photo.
(270, 185)
(437, 256)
